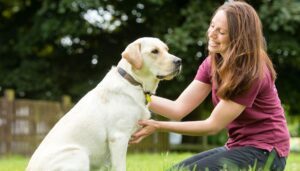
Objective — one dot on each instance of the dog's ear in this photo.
(132, 54)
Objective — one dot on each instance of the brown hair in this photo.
(247, 57)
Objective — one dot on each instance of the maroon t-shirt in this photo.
(262, 124)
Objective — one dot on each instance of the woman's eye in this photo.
(154, 51)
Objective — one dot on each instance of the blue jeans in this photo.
(239, 159)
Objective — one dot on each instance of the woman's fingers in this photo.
(136, 140)
(146, 130)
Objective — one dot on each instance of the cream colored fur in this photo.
(94, 134)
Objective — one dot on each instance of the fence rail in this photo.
(24, 123)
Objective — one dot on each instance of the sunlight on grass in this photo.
(139, 162)
(154, 162)
(15, 163)
(293, 162)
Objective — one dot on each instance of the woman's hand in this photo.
(148, 127)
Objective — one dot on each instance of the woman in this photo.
(241, 77)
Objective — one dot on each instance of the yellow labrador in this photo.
(94, 134)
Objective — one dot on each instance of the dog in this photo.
(94, 134)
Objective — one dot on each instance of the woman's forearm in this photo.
(164, 107)
(192, 128)
(188, 100)
(223, 114)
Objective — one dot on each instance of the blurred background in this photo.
(52, 52)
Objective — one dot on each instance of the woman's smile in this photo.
(213, 44)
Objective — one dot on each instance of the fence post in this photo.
(66, 102)
(9, 97)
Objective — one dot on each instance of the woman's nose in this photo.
(211, 33)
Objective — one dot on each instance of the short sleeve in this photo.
(204, 71)
(247, 99)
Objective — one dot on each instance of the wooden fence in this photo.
(24, 123)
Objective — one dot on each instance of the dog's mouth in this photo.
(169, 76)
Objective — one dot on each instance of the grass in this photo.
(154, 162)
(14, 163)
(139, 162)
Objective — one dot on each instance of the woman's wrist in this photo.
(158, 126)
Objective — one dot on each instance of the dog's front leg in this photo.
(118, 143)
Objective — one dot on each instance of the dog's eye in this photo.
(154, 51)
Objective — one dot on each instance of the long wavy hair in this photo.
(246, 59)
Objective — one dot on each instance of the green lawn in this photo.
(139, 162)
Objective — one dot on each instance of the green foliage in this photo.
(49, 48)
(281, 20)
(281, 15)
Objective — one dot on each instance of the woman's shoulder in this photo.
(206, 62)
(267, 76)
(208, 59)
(204, 70)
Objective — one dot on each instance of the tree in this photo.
(49, 48)
(281, 19)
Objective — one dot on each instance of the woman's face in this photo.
(218, 36)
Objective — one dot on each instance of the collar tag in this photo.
(148, 97)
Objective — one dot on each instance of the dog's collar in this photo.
(130, 79)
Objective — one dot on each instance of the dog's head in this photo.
(150, 56)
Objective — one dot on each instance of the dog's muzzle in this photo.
(176, 71)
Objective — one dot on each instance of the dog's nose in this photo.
(177, 62)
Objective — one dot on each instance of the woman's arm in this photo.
(224, 113)
(189, 99)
